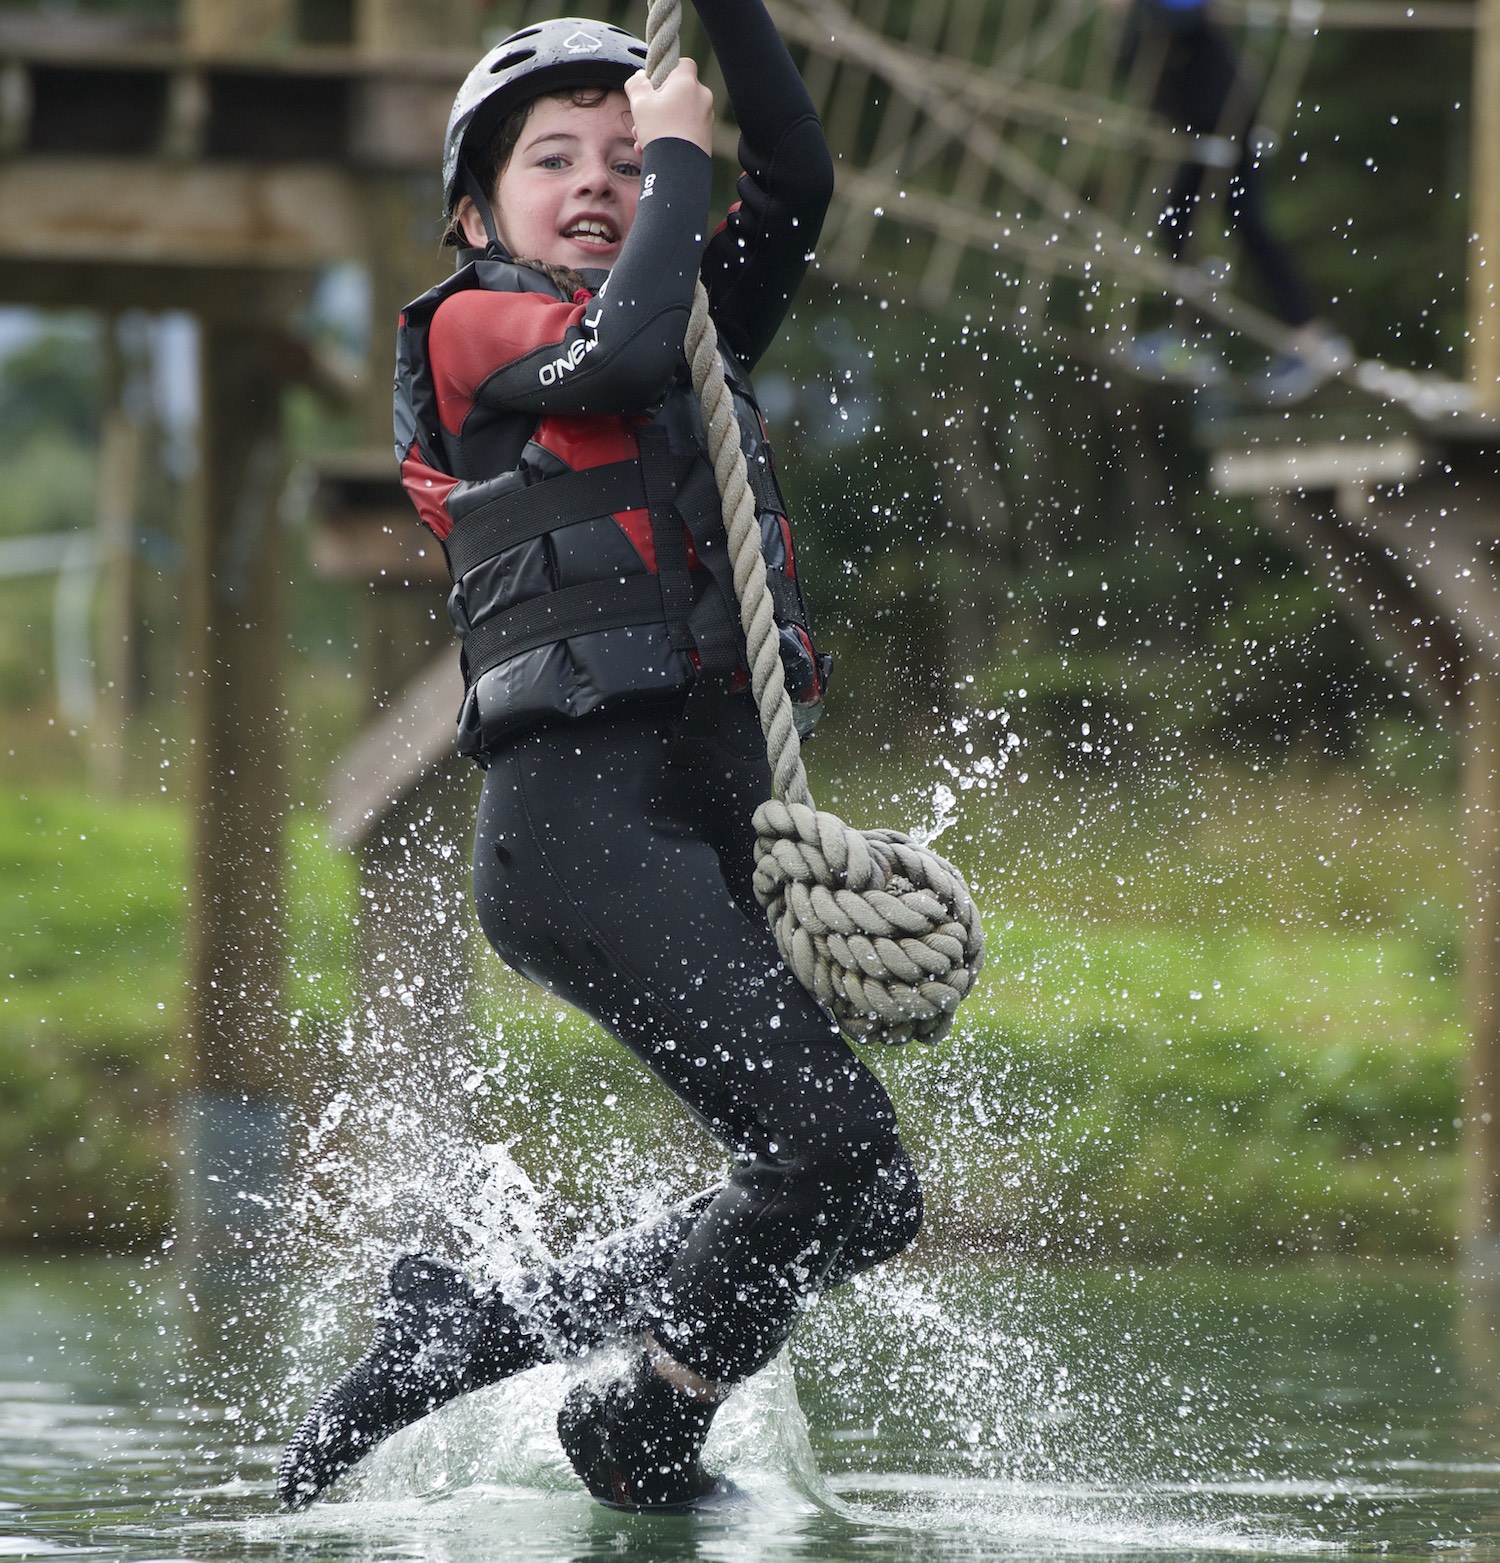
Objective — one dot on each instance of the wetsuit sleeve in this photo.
(615, 353)
(756, 261)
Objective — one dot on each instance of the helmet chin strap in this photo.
(482, 206)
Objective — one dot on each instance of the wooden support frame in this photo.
(1408, 531)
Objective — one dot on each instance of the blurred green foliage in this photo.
(1218, 1017)
(52, 391)
(91, 1052)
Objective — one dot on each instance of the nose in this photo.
(594, 177)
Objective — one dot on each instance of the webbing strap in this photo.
(476, 193)
(715, 620)
(524, 513)
(762, 484)
(554, 616)
(661, 473)
(786, 599)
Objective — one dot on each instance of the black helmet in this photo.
(566, 52)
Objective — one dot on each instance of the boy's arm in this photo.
(617, 353)
(756, 262)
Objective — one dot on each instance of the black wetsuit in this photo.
(614, 869)
(612, 861)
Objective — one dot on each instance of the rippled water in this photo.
(942, 1411)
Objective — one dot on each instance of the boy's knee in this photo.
(873, 1184)
(897, 1210)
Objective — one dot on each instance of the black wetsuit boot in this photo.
(436, 1338)
(636, 1442)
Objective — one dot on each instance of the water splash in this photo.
(963, 1402)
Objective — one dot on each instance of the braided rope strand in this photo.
(881, 931)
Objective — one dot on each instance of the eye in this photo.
(628, 168)
(552, 160)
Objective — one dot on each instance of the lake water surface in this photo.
(942, 1411)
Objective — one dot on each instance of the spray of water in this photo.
(956, 1394)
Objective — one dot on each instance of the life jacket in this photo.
(593, 568)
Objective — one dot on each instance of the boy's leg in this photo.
(598, 873)
(617, 877)
(665, 947)
(430, 1331)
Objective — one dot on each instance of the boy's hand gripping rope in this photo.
(879, 929)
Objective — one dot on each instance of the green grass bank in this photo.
(1220, 1015)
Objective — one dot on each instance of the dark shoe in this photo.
(435, 1338)
(636, 1442)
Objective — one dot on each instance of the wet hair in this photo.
(490, 162)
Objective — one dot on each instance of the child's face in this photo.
(568, 194)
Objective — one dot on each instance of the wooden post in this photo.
(1484, 217)
(1481, 1139)
(116, 490)
(237, 1114)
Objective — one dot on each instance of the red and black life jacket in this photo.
(593, 568)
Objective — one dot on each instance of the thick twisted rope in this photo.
(880, 930)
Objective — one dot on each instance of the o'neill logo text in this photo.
(550, 374)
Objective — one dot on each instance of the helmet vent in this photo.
(510, 61)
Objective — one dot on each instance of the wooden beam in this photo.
(211, 292)
(1360, 15)
(1442, 529)
(238, 1108)
(1377, 594)
(1432, 507)
(1481, 977)
(411, 738)
(1484, 218)
(117, 485)
(143, 211)
(1302, 468)
(233, 669)
(397, 26)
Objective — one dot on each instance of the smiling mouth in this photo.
(589, 231)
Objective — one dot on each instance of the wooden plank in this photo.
(238, 26)
(1484, 220)
(141, 210)
(1443, 534)
(1306, 468)
(1377, 593)
(408, 739)
(1480, 1141)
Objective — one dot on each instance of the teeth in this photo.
(591, 230)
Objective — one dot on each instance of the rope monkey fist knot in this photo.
(882, 931)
